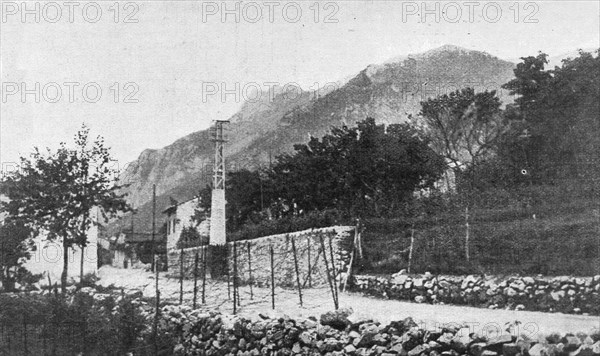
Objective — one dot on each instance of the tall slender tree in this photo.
(55, 191)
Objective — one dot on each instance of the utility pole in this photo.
(217, 212)
(153, 226)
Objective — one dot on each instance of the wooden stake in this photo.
(297, 271)
(309, 267)
(181, 276)
(153, 267)
(335, 288)
(204, 253)
(156, 314)
(250, 271)
(467, 233)
(235, 286)
(272, 277)
(327, 271)
(412, 242)
(195, 279)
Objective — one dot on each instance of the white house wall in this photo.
(47, 259)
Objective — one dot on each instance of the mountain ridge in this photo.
(260, 130)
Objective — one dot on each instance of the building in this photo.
(180, 216)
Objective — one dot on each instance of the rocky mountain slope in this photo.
(389, 92)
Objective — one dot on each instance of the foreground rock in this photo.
(200, 333)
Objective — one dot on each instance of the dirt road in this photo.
(318, 301)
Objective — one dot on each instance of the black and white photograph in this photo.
(302, 177)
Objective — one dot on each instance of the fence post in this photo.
(204, 253)
(297, 271)
(349, 272)
(181, 276)
(157, 311)
(309, 267)
(335, 287)
(195, 279)
(272, 277)
(228, 273)
(335, 303)
(250, 271)
(467, 233)
(412, 242)
(25, 349)
(235, 291)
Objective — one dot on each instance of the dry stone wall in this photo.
(254, 257)
(341, 333)
(559, 294)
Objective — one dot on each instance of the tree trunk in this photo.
(63, 276)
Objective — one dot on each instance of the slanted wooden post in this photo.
(297, 271)
(335, 288)
(195, 279)
(327, 271)
(250, 271)
(272, 277)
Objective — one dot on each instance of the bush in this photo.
(79, 323)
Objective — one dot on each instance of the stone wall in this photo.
(559, 294)
(254, 256)
(343, 333)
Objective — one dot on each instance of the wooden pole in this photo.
(297, 271)
(272, 277)
(235, 287)
(327, 271)
(335, 288)
(181, 276)
(195, 279)
(467, 233)
(153, 226)
(250, 271)
(412, 242)
(156, 314)
(204, 253)
(309, 266)
(228, 274)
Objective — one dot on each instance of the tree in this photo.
(557, 111)
(369, 169)
(55, 192)
(15, 247)
(464, 126)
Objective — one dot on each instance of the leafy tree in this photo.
(557, 112)
(15, 246)
(369, 169)
(464, 126)
(55, 192)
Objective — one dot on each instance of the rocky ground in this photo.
(319, 301)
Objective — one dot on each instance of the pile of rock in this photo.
(340, 333)
(560, 294)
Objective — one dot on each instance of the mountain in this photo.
(388, 92)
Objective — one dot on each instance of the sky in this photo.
(144, 73)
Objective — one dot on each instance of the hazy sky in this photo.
(166, 63)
